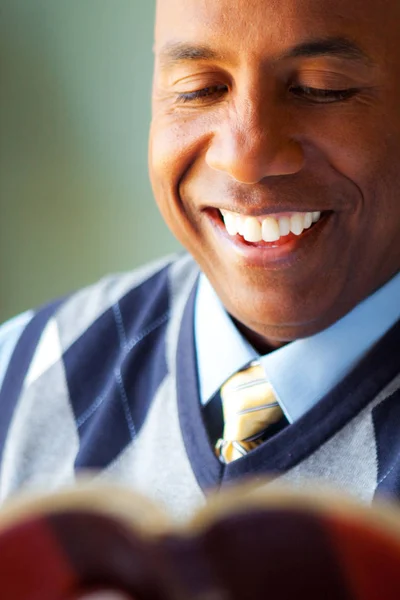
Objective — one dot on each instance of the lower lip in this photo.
(282, 253)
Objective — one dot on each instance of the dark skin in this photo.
(266, 107)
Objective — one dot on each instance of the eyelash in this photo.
(316, 95)
(322, 96)
(206, 92)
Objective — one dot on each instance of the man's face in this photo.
(267, 110)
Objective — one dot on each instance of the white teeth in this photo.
(240, 224)
(252, 230)
(307, 220)
(230, 223)
(270, 230)
(297, 223)
(284, 226)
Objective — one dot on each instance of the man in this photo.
(274, 153)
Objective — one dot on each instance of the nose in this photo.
(253, 142)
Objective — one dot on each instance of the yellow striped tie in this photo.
(249, 407)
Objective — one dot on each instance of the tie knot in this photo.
(249, 407)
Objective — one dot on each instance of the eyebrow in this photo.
(334, 46)
(174, 53)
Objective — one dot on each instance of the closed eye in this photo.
(198, 96)
(318, 95)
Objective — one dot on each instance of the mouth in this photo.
(277, 240)
(270, 229)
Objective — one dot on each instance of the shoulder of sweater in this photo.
(144, 293)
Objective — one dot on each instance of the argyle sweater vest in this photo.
(105, 380)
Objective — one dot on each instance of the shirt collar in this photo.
(221, 349)
(301, 372)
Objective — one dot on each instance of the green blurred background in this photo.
(75, 200)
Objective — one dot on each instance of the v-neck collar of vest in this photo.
(297, 441)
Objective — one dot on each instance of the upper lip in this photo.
(268, 210)
(257, 204)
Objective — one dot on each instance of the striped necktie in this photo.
(249, 408)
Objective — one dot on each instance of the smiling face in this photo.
(263, 113)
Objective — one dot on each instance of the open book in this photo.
(248, 543)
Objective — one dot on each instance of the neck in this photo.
(259, 343)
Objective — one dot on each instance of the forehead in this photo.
(251, 25)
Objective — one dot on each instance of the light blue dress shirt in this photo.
(303, 371)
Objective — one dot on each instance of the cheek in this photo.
(174, 147)
(369, 156)
(367, 152)
(175, 142)
(358, 142)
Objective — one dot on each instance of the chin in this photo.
(281, 317)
